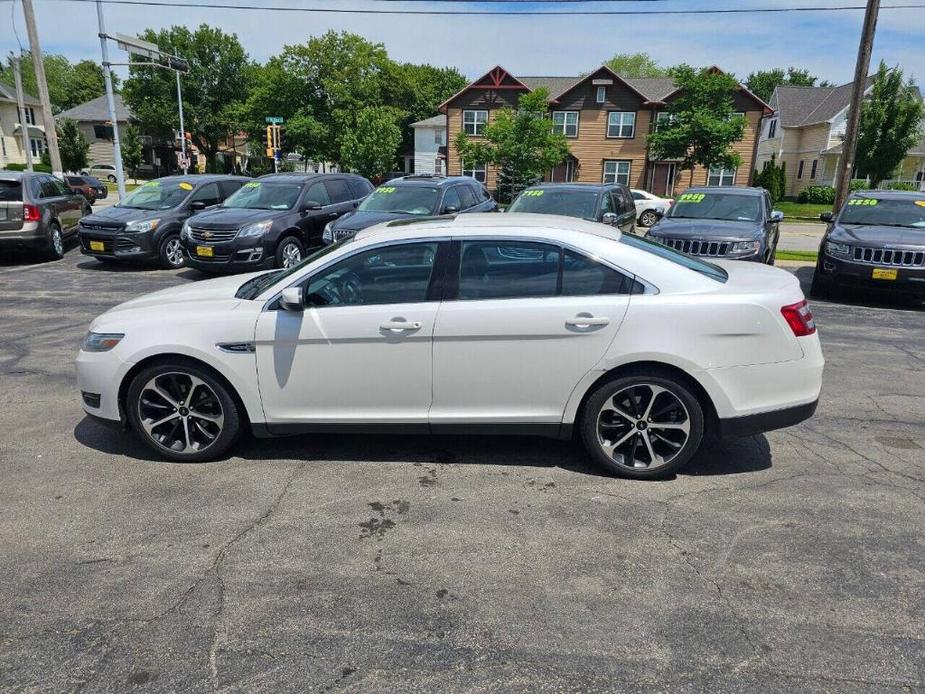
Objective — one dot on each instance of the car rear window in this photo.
(10, 191)
(714, 272)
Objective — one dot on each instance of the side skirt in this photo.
(553, 431)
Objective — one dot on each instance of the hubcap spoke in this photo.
(180, 412)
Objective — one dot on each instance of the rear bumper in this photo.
(30, 235)
(766, 421)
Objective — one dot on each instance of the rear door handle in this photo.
(400, 325)
(585, 320)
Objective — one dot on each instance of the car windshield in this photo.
(261, 195)
(93, 181)
(419, 200)
(254, 286)
(571, 203)
(74, 180)
(891, 212)
(709, 205)
(157, 195)
(714, 272)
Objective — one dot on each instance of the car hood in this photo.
(355, 221)
(877, 236)
(122, 215)
(703, 229)
(225, 217)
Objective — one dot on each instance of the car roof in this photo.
(890, 194)
(430, 180)
(597, 187)
(201, 178)
(11, 175)
(295, 177)
(734, 190)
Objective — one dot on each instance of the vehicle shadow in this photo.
(14, 257)
(860, 297)
(736, 456)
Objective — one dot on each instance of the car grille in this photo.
(341, 234)
(883, 256)
(212, 235)
(96, 226)
(710, 248)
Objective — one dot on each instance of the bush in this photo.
(900, 185)
(817, 195)
(40, 168)
(858, 185)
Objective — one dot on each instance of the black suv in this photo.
(413, 196)
(271, 221)
(877, 241)
(146, 223)
(722, 222)
(608, 203)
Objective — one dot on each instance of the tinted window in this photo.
(208, 194)
(74, 180)
(409, 199)
(35, 186)
(704, 268)
(229, 187)
(467, 197)
(49, 189)
(389, 275)
(10, 191)
(359, 188)
(61, 186)
(582, 276)
(482, 193)
(338, 190)
(451, 199)
(638, 196)
(606, 203)
(260, 195)
(564, 201)
(507, 269)
(317, 192)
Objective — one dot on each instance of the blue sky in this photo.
(824, 43)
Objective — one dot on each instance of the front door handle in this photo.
(586, 320)
(333, 215)
(399, 325)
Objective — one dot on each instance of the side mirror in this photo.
(827, 216)
(450, 209)
(609, 218)
(291, 300)
(659, 213)
(197, 205)
(311, 206)
(777, 216)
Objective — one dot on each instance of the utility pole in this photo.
(21, 106)
(111, 102)
(850, 145)
(51, 135)
(182, 129)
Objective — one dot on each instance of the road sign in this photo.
(274, 119)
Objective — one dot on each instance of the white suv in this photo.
(484, 323)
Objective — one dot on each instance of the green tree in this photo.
(763, 82)
(131, 149)
(213, 89)
(68, 85)
(520, 142)
(702, 126)
(369, 148)
(85, 83)
(891, 122)
(74, 148)
(636, 65)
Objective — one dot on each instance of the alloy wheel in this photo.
(173, 252)
(180, 412)
(292, 254)
(643, 426)
(57, 242)
(648, 219)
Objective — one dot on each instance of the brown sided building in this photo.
(607, 120)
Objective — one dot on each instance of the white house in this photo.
(430, 145)
(11, 150)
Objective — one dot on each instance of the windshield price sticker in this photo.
(863, 202)
(386, 189)
(692, 197)
(186, 186)
(533, 193)
(920, 203)
(152, 184)
(252, 184)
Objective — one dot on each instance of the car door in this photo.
(771, 228)
(342, 200)
(451, 203)
(626, 208)
(513, 341)
(361, 352)
(67, 206)
(467, 198)
(312, 221)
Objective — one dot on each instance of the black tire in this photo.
(111, 178)
(648, 218)
(281, 250)
(170, 253)
(635, 431)
(55, 247)
(171, 375)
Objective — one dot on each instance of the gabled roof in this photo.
(97, 110)
(432, 122)
(554, 85)
(800, 106)
(655, 88)
(8, 93)
(496, 78)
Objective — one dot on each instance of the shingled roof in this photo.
(97, 110)
(799, 106)
(8, 93)
(654, 89)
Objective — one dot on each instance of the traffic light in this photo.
(269, 141)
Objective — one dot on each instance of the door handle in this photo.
(333, 215)
(586, 320)
(400, 325)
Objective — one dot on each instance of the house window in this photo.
(663, 118)
(438, 138)
(772, 128)
(474, 122)
(30, 115)
(621, 124)
(800, 169)
(812, 171)
(601, 95)
(476, 171)
(37, 145)
(565, 122)
(617, 171)
(721, 177)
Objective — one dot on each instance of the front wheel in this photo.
(183, 412)
(642, 426)
(111, 178)
(170, 253)
(289, 252)
(648, 218)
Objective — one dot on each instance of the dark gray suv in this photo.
(38, 212)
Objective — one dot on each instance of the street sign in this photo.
(274, 119)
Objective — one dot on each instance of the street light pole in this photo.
(21, 108)
(111, 102)
(182, 129)
(51, 135)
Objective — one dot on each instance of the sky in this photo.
(825, 43)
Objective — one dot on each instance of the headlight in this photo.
(742, 246)
(184, 232)
(328, 234)
(142, 225)
(258, 229)
(837, 250)
(101, 342)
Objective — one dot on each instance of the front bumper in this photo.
(118, 244)
(844, 273)
(237, 255)
(98, 377)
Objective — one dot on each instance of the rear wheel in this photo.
(183, 412)
(111, 178)
(55, 249)
(289, 252)
(648, 218)
(643, 425)
(170, 253)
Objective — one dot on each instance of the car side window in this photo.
(507, 270)
(208, 194)
(227, 188)
(61, 186)
(606, 203)
(317, 193)
(582, 276)
(359, 188)
(35, 187)
(467, 197)
(390, 275)
(638, 196)
(338, 190)
(451, 199)
(49, 189)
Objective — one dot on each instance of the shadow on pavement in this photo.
(726, 458)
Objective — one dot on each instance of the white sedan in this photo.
(650, 208)
(484, 323)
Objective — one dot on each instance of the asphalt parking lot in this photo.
(788, 562)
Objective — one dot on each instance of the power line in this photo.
(525, 13)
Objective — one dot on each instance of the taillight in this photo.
(30, 213)
(799, 318)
